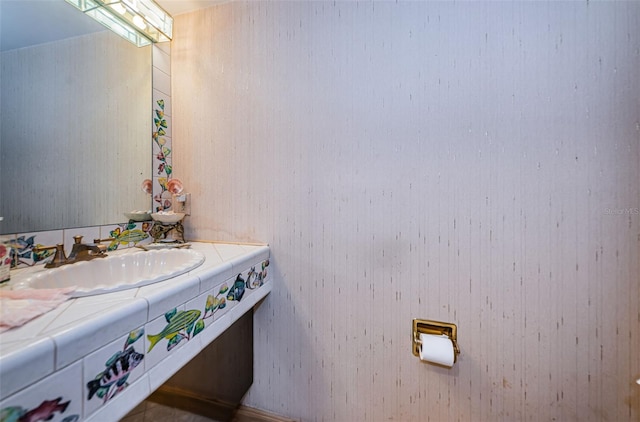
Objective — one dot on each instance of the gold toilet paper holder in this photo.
(425, 326)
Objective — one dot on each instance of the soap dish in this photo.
(138, 216)
(168, 217)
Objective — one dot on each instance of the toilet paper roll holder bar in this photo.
(425, 326)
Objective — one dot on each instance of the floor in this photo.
(148, 411)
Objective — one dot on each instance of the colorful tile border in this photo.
(123, 235)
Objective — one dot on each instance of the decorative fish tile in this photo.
(111, 369)
(24, 243)
(217, 303)
(238, 287)
(180, 325)
(162, 337)
(204, 303)
(213, 304)
(53, 399)
(129, 234)
(257, 275)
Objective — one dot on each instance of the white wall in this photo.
(477, 163)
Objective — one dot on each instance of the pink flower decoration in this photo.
(174, 186)
(147, 186)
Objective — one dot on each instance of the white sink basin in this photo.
(118, 271)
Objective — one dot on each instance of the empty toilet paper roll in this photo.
(436, 348)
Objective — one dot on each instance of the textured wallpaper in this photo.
(476, 163)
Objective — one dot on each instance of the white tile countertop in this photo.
(96, 357)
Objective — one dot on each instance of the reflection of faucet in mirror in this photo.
(59, 258)
(108, 239)
(79, 252)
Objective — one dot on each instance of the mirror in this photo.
(75, 120)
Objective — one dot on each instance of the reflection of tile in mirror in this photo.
(162, 155)
(159, 95)
(161, 81)
(162, 59)
(25, 242)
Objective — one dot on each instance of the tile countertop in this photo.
(61, 340)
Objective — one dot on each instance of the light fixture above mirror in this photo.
(138, 21)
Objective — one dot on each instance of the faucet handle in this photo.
(59, 258)
(77, 240)
(108, 239)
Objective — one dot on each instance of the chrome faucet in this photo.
(79, 252)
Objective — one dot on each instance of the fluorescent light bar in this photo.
(138, 21)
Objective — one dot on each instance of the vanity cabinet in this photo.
(95, 358)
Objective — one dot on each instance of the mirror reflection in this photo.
(75, 126)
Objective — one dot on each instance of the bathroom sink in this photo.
(120, 270)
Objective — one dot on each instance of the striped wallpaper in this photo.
(473, 162)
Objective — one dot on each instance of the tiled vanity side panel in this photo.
(160, 373)
(110, 370)
(180, 324)
(90, 335)
(124, 403)
(217, 306)
(55, 398)
(258, 274)
(22, 368)
(221, 304)
(205, 304)
(166, 333)
(254, 278)
(163, 299)
(247, 281)
(223, 292)
(212, 279)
